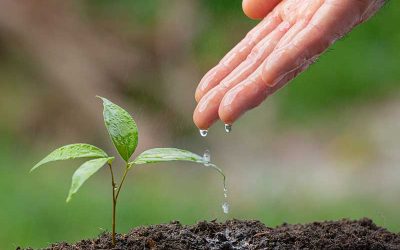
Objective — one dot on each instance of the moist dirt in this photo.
(238, 234)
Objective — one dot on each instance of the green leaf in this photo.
(171, 154)
(83, 173)
(167, 154)
(121, 128)
(72, 151)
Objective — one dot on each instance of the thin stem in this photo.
(122, 181)
(114, 204)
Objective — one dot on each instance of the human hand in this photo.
(290, 37)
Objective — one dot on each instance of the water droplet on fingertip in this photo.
(228, 128)
(203, 132)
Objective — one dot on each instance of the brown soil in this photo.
(236, 234)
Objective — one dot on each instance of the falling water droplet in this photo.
(207, 156)
(228, 128)
(225, 207)
(203, 132)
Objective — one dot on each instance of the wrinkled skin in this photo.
(291, 36)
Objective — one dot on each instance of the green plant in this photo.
(124, 134)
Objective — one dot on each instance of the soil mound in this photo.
(237, 234)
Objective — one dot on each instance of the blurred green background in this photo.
(325, 147)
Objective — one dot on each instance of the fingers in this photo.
(290, 58)
(250, 94)
(244, 96)
(328, 24)
(236, 55)
(257, 9)
(206, 112)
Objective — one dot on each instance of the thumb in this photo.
(258, 9)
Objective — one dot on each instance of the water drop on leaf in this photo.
(207, 156)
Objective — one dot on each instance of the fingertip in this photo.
(245, 96)
(226, 116)
(228, 110)
(200, 122)
(203, 120)
(206, 112)
(258, 9)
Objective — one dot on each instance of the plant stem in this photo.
(114, 204)
(115, 194)
(122, 181)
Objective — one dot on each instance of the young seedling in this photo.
(124, 134)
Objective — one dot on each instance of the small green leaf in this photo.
(121, 128)
(83, 173)
(72, 151)
(167, 154)
(171, 154)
